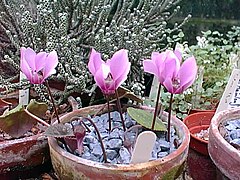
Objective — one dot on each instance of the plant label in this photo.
(143, 147)
(231, 95)
(23, 93)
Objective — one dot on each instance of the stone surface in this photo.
(124, 156)
(111, 154)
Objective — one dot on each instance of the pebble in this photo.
(164, 145)
(111, 154)
(235, 141)
(115, 143)
(116, 133)
(97, 151)
(124, 155)
(233, 132)
(162, 154)
(89, 139)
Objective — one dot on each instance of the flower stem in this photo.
(37, 118)
(99, 137)
(169, 118)
(109, 115)
(54, 106)
(156, 107)
(120, 110)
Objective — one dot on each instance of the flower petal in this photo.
(40, 60)
(150, 67)
(51, 64)
(168, 85)
(187, 73)
(105, 70)
(99, 79)
(29, 56)
(24, 65)
(95, 62)
(171, 66)
(119, 64)
(178, 53)
(123, 77)
(158, 58)
(35, 79)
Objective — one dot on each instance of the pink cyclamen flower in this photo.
(37, 66)
(162, 64)
(111, 74)
(167, 67)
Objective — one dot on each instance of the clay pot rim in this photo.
(207, 112)
(214, 128)
(186, 139)
(6, 143)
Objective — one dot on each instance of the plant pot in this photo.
(192, 111)
(225, 156)
(69, 166)
(195, 123)
(22, 157)
(19, 155)
(200, 165)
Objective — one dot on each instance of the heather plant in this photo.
(73, 27)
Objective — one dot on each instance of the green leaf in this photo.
(16, 122)
(145, 118)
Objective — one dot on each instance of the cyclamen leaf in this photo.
(145, 118)
(59, 131)
(16, 122)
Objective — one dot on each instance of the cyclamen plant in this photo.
(110, 75)
(173, 75)
(37, 67)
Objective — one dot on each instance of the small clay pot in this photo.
(69, 167)
(200, 166)
(195, 123)
(224, 155)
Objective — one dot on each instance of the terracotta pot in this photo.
(195, 123)
(69, 166)
(199, 163)
(22, 154)
(224, 155)
(192, 111)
